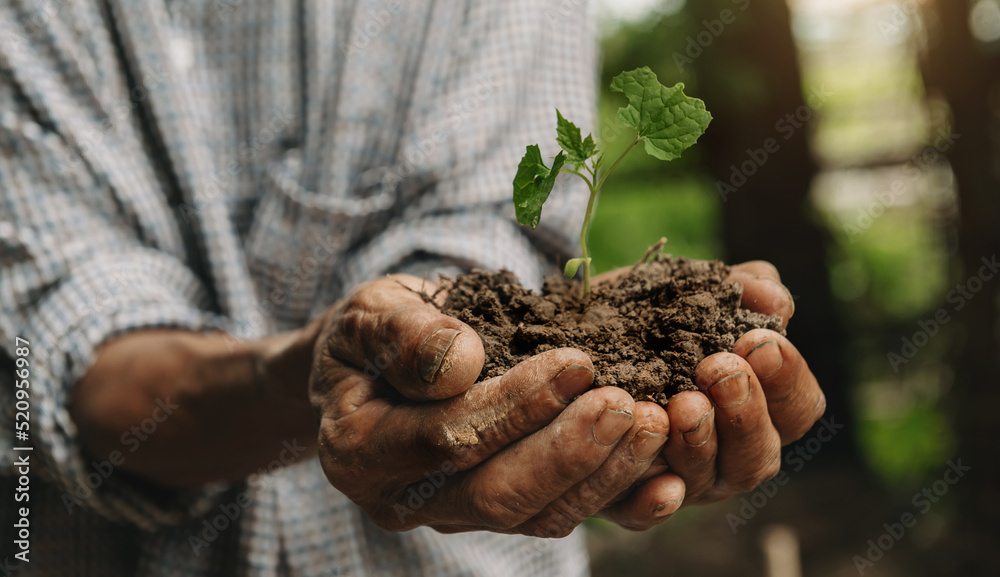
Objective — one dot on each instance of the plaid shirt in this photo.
(238, 165)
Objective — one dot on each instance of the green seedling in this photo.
(665, 120)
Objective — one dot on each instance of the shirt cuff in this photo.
(98, 299)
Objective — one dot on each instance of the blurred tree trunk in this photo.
(959, 69)
(757, 150)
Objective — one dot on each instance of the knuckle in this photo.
(358, 316)
(801, 427)
(769, 472)
(605, 484)
(698, 490)
(331, 434)
(353, 322)
(551, 528)
(764, 473)
(341, 457)
(818, 409)
(744, 484)
(569, 472)
(568, 514)
(459, 443)
(495, 512)
(558, 520)
(795, 434)
(808, 411)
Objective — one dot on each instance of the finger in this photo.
(749, 445)
(372, 447)
(757, 268)
(657, 466)
(762, 290)
(387, 330)
(794, 399)
(626, 464)
(520, 481)
(402, 442)
(492, 414)
(651, 504)
(691, 449)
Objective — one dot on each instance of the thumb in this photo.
(388, 331)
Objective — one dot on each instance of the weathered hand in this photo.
(759, 397)
(406, 435)
(727, 438)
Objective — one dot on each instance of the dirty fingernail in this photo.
(610, 426)
(667, 508)
(731, 391)
(767, 359)
(572, 381)
(646, 444)
(702, 432)
(432, 352)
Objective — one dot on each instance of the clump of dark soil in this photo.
(646, 331)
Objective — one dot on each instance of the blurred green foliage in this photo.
(633, 215)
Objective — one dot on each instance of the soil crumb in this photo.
(646, 331)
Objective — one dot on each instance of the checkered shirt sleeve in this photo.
(237, 166)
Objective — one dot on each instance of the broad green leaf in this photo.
(666, 119)
(578, 149)
(533, 183)
(573, 265)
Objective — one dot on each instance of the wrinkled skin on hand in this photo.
(408, 436)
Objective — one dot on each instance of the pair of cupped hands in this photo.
(409, 436)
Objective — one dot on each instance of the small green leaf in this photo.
(573, 265)
(667, 120)
(598, 161)
(533, 183)
(578, 149)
